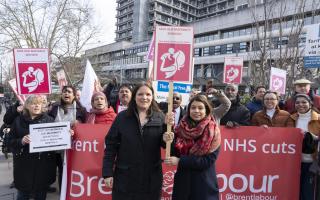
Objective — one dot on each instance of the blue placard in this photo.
(177, 87)
(311, 61)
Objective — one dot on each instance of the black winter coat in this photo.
(32, 172)
(237, 113)
(11, 113)
(133, 157)
(196, 178)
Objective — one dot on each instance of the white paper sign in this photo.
(50, 137)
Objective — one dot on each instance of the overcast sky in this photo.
(105, 15)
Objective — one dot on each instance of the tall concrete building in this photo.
(237, 29)
(137, 18)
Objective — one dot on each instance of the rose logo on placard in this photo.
(178, 58)
(277, 83)
(167, 185)
(232, 74)
(36, 74)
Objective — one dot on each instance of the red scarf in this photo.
(200, 140)
(105, 116)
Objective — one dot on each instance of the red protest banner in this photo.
(32, 71)
(84, 163)
(259, 163)
(254, 163)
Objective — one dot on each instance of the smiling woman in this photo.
(132, 159)
(271, 115)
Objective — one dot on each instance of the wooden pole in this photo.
(169, 127)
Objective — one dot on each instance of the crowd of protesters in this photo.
(132, 159)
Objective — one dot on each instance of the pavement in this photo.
(6, 177)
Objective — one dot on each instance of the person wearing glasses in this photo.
(271, 115)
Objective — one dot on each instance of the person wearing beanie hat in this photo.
(308, 121)
(302, 86)
(100, 112)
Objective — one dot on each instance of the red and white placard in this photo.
(233, 70)
(173, 53)
(277, 81)
(32, 71)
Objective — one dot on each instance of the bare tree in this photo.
(279, 28)
(62, 26)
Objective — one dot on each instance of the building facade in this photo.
(136, 18)
(240, 29)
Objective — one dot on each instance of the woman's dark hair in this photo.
(203, 99)
(63, 104)
(132, 107)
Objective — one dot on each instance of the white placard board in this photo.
(50, 137)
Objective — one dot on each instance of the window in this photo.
(224, 49)
(243, 47)
(208, 71)
(236, 33)
(242, 32)
(236, 47)
(211, 50)
(225, 35)
(307, 20)
(255, 45)
(229, 48)
(197, 52)
(316, 19)
(206, 51)
(198, 72)
(217, 50)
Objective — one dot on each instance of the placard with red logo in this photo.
(253, 163)
(173, 53)
(233, 67)
(277, 81)
(32, 71)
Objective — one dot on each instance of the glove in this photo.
(309, 145)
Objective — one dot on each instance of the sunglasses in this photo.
(176, 98)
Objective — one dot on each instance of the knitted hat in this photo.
(97, 94)
(303, 96)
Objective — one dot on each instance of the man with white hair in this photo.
(302, 86)
(238, 114)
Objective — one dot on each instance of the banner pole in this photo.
(169, 127)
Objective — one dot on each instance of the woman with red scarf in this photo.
(197, 142)
(100, 112)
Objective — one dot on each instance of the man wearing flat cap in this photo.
(302, 86)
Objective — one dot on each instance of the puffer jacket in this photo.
(280, 118)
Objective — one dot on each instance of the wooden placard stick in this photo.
(169, 127)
